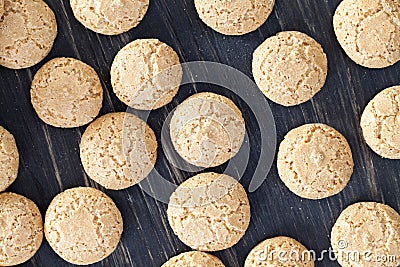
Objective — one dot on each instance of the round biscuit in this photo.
(109, 17)
(66, 93)
(83, 225)
(146, 74)
(370, 230)
(21, 229)
(234, 17)
(369, 31)
(381, 125)
(28, 29)
(118, 150)
(209, 212)
(315, 161)
(9, 159)
(290, 68)
(207, 129)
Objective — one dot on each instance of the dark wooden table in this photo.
(50, 157)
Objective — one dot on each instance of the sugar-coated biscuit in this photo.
(109, 17)
(315, 161)
(209, 212)
(234, 17)
(194, 258)
(380, 123)
(118, 150)
(290, 68)
(279, 252)
(66, 93)
(83, 225)
(207, 129)
(21, 229)
(9, 159)
(28, 29)
(367, 234)
(369, 31)
(146, 74)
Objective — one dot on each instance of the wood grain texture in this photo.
(50, 157)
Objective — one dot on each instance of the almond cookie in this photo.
(279, 251)
(21, 229)
(28, 29)
(290, 68)
(66, 93)
(146, 74)
(9, 159)
(315, 161)
(380, 123)
(209, 212)
(118, 150)
(207, 129)
(109, 17)
(194, 258)
(370, 233)
(83, 225)
(234, 17)
(369, 31)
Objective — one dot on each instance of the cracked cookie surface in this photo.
(279, 251)
(109, 17)
(66, 93)
(380, 123)
(9, 159)
(234, 17)
(28, 29)
(290, 68)
(118, 150)
(146, 74)
(193, 258)
(367, 227)
(21, 229)
(83, 225)
(207, 129)
(209, 212)
(369, 31)
(315, 161)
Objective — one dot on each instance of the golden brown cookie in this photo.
(209, 212)
(28, 29)
(146, 74)
(234, 17)
(369, 31)
(207, 129)
(21, 229)
(194, 258)
(380, 123)
(315, 161)
(118, 150)
(372, 231)
(66, 93)
(279, 251)
(109, 17)
(290, 68)
(9, 159)
(83, 225)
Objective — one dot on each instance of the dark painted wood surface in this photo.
(50, 157)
